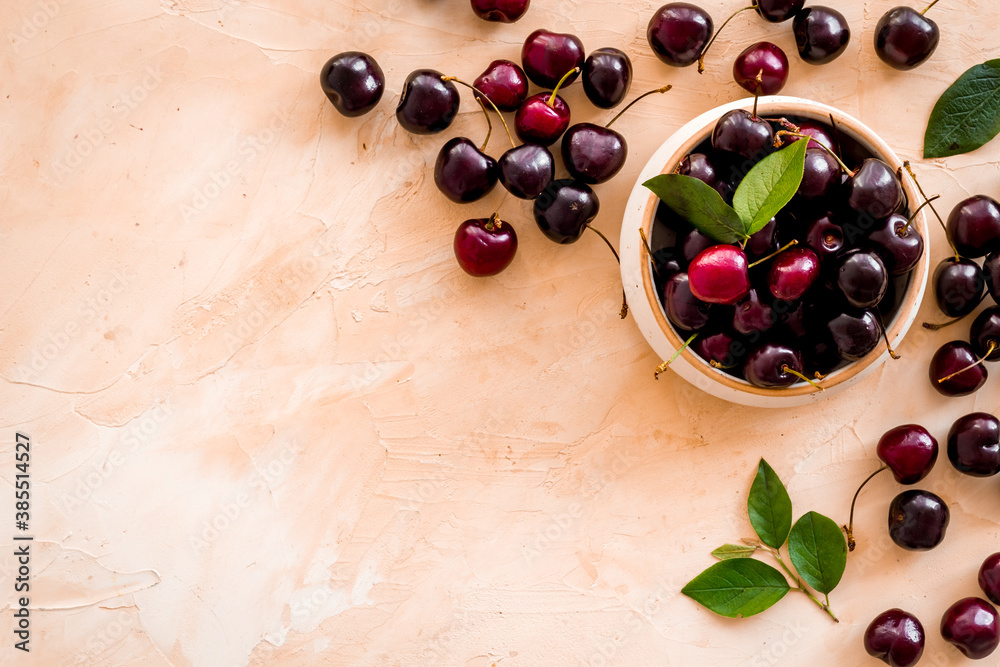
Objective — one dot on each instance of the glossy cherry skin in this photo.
(874, 190)
(428, 104)
(564, 210)
(984, 336)
(825, 237)
(777, 11)
(502, 11)
(991, 274)
(353, 82)
(766, 366)
(792, 273)
(954, 357)
(909, 451)
(855, 334)
(607, 77)
(739, 132)
(751, 315)
(918, 520)
(484, 247)
(700, 166)
(666, 262)
(896, 638)
(899, 244)
(684, 310)
(678, 32)
(974, 226)
(463, 172)
(693, 243)
(821, 34)
(820, 175)
(547, 56)
(989, 577)
(904, 38)
(504, 83)
(769, 61)
(818, 133)
(526, 170)
(538, 123)
(719, 274)
(715, 347)
(862, 278)
(974, 444)
(763, 241)
(593, 153)
(972, 626)
(958, 286)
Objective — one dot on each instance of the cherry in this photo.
(504, 83)
(909, 451)
(684, 310)
(815, 131)
(777, 11)
(751, 315)
(898, 243)
(989, 577)
(353, 82)
(820, 176)
(428, 103)
(740, 132)
(974, 444)
(719, 274)
(485, 247)
(895, 637)
(678, 32)
(984, 336)
(607, 76)
(974, 226)
(862, 278)
(527, 170)
(874, 189)
(463, 172)
(905, 38)
(854, 335)
(715, 347)
(958, 286)
(773, 365)
(666, 262)
(991, 275)
(502, 11)
(918, 520)
(825, 237)
(954, 370)
(763, 241)
(971, 626)
(542, 118)
(766, 60)
(693, 243)
(700, 166)
(564, 210)
(547, 56)
(792, 273)
(821, 34)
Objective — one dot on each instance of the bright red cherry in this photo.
(719, 274)
(541, 119)
(504, 83)
(909, 451)
(546, 56)
(793, 272)
(485, 246)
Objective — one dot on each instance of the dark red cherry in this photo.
(974, 226)
(918, 520)
(593, 153)
(463, 172)
(607, 76)
(719, 274)
(717, 347)
(684, 310)
(862, 278)
(896, 638)
(905, 38)
(700, 166)
(971, 625)
(820, 175)
(547, 56)
(678, 32)
(353, 82)
(762, 58)
(538, 122)
(769, 364)
(693, 243)
(792, 273)
(821, 34)
(898, 243)
(485, 246)
(956, 359)
(874, 190)
(751, 315)
(984, 336)
(825, 237)
(991, 275)
(855, 334)
(502, 11)
(909, 451)
(762, 242)
(504, 83)
(428, 104)
(817, 132)
(739, 132)
(989, 577)
(526, 170)
(667, 262)
(974, 444)
(564, 210)
(777, 11)
(958, 286)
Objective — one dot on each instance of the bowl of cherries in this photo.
(773, 253)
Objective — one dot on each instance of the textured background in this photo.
(274, 423)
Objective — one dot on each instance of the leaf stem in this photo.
(701, 57)
(928, 7)
(487, 98)
(849, 528)
(798, 584)
(629, 105)
(787, 133)
(947, 235)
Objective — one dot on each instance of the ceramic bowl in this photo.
(637, 273)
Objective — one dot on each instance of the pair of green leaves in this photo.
(740, 586)
(764, 191)
(967, 115)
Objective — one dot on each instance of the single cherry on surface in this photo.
(971, 625)
(719, 274)
(526, 170)
(974, 444)
(905, 38)
(564, 210)
(738, 131)
(678, 33)
(504, 83)
(485, 246)
(984, 336)
(918, 520)
(974, 226)
(463, 172)
(607, 77)
(502, 11)
(792, 273)
(955, 370)
(353, 82)
(898, 243)
(821, 34)
(765, 61)
(909, 451)
(958, 286)
(777, 11)
(546, 56)
(428, 104)
(895, 637)
(989, 577)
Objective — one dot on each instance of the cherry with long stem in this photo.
(989, 351)
(937, 327)
(662, 368)
(701, 57)
(906, 227)
(552, 98)
(486, 97)
(785, 368)
(849, 528)
(885, 335)
(947, 235)
(928, 7)
(623, 313)
(630, 104)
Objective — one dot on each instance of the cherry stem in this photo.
(776, 252)
(798, 584)
(487, 98)
(552, 98)
(885, 334)
(785, 369)
(489, 125)
(928, 7)
(645, 242)
(756, 93)
(623, 313)
(783, 122)
(989, 351)
(947, 236)
(936, 327)
(849, 528)
(701, 57)
(909, 222)
(663, 367)
(715, 364)
(629, 105)
(786, 133)
(494, 222)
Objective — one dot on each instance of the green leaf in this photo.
(737, 588)
(728, 551)
(770, 185)
(769, 506)
(818, 551)
(967, 115)
(700, 204)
